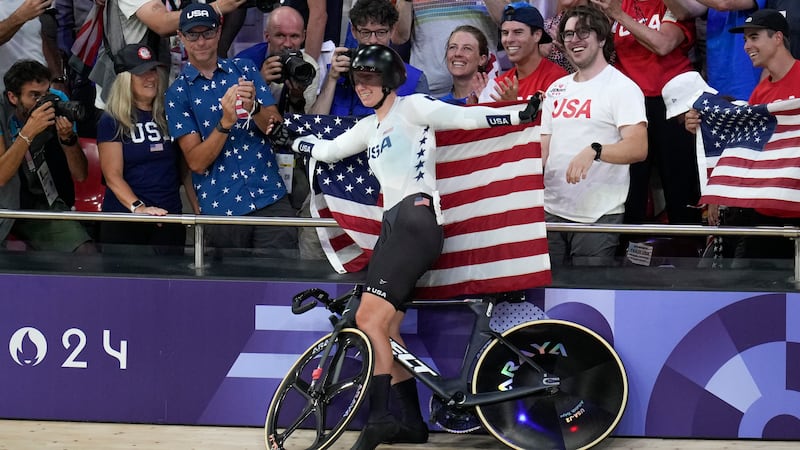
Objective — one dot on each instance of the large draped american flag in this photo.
(749, 155)
(490, 183)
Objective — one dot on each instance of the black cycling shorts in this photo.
(409, 243)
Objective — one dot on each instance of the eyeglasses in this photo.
(380, 34)
(192, 36)
(581, 33)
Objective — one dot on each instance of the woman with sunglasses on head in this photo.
(140, 164)
(400, 142)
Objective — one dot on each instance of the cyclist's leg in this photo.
(410, 242)
(373, 317)
(404, 394)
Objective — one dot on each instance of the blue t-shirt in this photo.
(244, 177)
(256, 53)
(149, 164)
(449, 98)
(730, 70)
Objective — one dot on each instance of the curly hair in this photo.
(378, 11)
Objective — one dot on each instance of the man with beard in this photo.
(593, 126)
(43, 149)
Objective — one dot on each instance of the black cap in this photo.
(136, 59)
(527, 14)
(766, 19)
(197, 15)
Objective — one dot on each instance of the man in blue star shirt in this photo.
(219, 111)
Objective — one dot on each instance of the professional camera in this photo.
(296, 68)
(262, 5)
(350, 53)
(73, 111)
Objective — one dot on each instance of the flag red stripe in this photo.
(511, 250)
(449, 169)
(359, 263)
(491, 190)
(778, 144)
(744, 163)
(456, 137)
(760, 203)
(781, 182)
(482, 287)
(495, 221)
(341, 241)
(357, 224)
(789, 112)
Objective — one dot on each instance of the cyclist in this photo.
(400, 141)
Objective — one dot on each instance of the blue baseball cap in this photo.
(197, 15)
(527, 14)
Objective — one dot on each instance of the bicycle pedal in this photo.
(453, 419)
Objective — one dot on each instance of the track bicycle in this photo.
(543, 384)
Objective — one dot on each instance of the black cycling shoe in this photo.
(383, 430)
(410, 434)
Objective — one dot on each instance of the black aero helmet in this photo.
(383, 60)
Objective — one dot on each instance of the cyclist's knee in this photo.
(374, 313)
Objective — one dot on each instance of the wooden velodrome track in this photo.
(38, 435)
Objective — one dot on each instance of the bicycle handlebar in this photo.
(298, 305)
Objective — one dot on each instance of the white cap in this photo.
(679, 93)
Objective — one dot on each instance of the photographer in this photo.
(372, 22)
(292, 75)
(44, 151)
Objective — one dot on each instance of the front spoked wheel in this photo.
(326, 406)
(578, 413)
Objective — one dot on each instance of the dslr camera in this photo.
(350, 53)
(296, 68)
(263, 5)
(73, 111)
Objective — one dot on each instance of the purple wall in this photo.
(700, 364)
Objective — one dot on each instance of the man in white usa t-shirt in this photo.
(593, 126)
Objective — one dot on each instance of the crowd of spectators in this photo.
(172, 112)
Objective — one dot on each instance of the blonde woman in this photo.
(141, 165)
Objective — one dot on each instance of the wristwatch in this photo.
(598, 149)
(136, 204)
(222, 129)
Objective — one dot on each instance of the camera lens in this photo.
(73, 111)
(296, 68)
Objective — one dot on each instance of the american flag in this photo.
(490, 182)
(750, 153)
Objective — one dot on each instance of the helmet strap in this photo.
(386, 92)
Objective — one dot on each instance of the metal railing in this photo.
(199, 221)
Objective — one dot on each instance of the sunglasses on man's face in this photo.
(192, 36)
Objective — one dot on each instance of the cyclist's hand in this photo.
(527, 114)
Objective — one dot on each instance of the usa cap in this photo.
(196, 15)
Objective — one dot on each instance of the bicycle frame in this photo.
(539, 411)
(455, 391)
